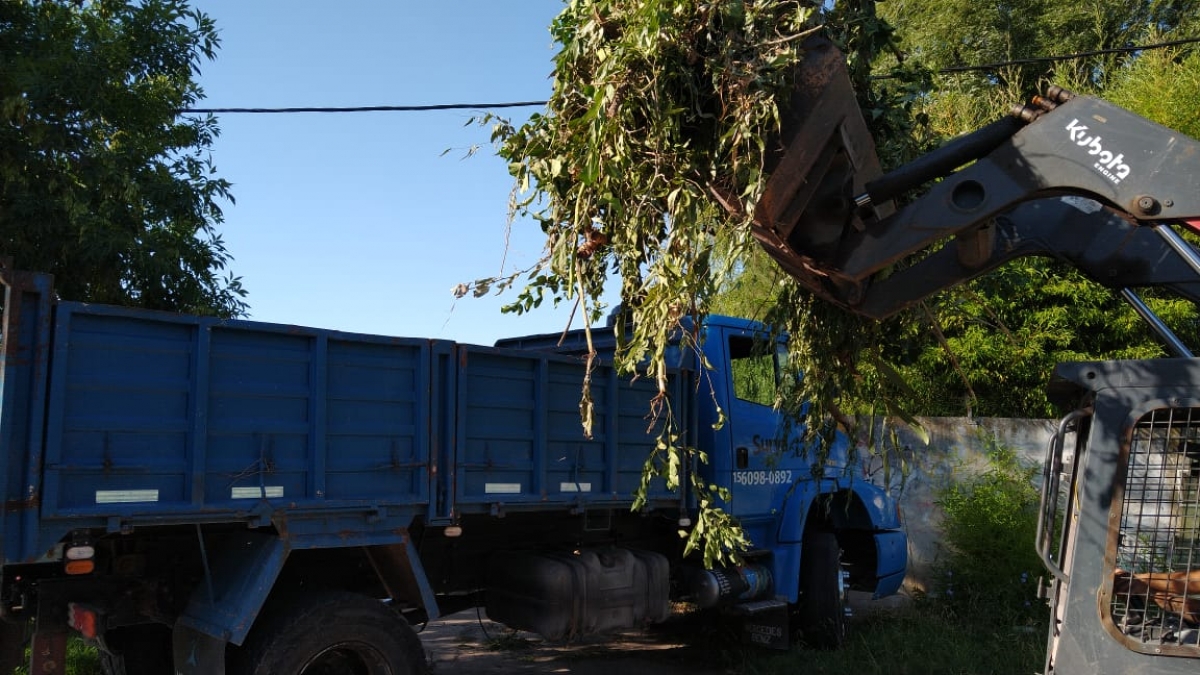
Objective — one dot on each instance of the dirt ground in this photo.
(468, 643)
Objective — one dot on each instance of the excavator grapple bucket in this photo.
(823, 157)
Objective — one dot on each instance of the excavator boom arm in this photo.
(1070, 177)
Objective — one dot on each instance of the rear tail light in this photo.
(79, 555)
(82, 619)
(79, 566)
(80, 552)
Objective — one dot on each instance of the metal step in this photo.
(758, 607)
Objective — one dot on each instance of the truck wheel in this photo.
(821, 615)
(329, 634)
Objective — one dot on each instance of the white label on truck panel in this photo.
(268, 491)
(574, 487)
(502, 488)
(125, 496)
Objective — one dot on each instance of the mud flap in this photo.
(197, 653)
(227, 602)
(48, 652)
(891, 554)
(48, 644)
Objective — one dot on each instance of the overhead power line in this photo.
(529, 104)
(1066, 57)
(369, 108)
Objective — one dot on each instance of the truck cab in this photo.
(816, 525)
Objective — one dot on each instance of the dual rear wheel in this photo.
(330, 633)
(327, 633)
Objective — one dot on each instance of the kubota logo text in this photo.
(1112, 167)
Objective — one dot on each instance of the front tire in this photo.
(821, 615)
(330, 634)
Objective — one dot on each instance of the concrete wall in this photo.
(957, 449)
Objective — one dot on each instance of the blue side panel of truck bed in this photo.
(522, 441)
(156, 414)
(153, 418)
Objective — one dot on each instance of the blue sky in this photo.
(359, 222)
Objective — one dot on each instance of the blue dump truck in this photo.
(198, 495)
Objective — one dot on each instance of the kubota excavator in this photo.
(1083, 181)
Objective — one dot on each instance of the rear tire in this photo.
(330, 634)
(821, 615)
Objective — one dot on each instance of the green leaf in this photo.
(104, 184)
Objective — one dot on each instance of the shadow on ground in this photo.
(468, 643)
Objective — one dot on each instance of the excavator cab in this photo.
(1064, 176)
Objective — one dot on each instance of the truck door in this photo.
(761, 470)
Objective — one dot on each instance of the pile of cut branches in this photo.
(660, 115)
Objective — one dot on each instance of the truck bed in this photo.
(154, 418)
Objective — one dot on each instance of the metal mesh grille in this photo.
(1156, 586)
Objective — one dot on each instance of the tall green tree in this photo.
(102, 182)
(1163, 85)
(951, 33)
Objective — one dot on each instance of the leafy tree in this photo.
(988, 348)
(102, 182)
(949, 33)
(1164, 86)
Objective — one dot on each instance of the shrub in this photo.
(989, 527)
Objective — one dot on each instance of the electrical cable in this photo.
(1068, 57)
(366, 108)
(526, 104)
(949, 70)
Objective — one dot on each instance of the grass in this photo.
(82, 659)
(925, 642)
(926, 638)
